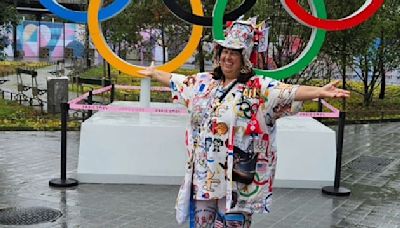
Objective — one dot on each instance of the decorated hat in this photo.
(241, 34)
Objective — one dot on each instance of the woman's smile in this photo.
(231, 62)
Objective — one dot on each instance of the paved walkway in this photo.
(29, 159)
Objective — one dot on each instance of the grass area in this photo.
(124, 79)
(379, 109)
(14, 116)
(9, 67)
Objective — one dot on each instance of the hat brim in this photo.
(226, 44)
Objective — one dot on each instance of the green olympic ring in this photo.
(306, 57)
(253, 192)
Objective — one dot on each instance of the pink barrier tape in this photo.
(319, 114)
(170, 111)
(108, 88)
(155, 88)
(108, 108)
(333, 114)
(329, 106)
(94, 92)
(102, 90)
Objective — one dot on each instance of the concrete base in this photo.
(306, 153)
(132, 147)
(149, 149)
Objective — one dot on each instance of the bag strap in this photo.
(221, 98)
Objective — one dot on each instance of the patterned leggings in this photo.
(211, 214)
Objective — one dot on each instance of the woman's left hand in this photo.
(331, 91)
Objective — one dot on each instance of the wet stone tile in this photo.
(29, 159)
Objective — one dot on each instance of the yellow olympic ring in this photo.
(105, 51)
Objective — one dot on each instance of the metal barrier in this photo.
(88, 98)
(22, 88)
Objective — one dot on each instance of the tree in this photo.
(380, 54)
(386, 30)
(344, 46)
(287, 37)
(367, 51)
(8, 19)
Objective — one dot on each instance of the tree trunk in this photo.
(344, 64)
(120, 54)
(365, 81)
(201, 56)
(163, 41)
(104, 68)
(87, 45)
(382, 67)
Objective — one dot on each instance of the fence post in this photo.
(63, 181)
(319, 109)
(336, 190)
(90, 102)
(112, 95)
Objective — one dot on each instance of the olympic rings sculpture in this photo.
(317, 21)
(366, 11)
(305, 58)
(82, 17)
(178, 11)
(113, 59)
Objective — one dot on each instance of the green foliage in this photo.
(9, 67)
(379, 109)
(17, 117)
(8, 19)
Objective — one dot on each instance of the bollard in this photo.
(319, 109)
(336, 190)
(90, 102)
(63, 181)
(112, 93)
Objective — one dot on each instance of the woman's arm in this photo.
(330, 90)
(153, 73)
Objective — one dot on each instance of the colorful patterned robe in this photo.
(245, 118)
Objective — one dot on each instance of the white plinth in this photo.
(306, 153)
(132, 148)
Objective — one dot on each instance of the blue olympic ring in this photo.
(81, 17)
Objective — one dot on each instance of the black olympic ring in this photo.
(245, 107)
(177, 10)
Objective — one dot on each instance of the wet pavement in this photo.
(371, 169)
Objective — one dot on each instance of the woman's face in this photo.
(231, 62)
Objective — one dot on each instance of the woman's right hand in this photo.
(149, 71)
(158, 75)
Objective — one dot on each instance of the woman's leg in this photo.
(205, 212)
(231, 220)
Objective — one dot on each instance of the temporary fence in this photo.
(76, 104)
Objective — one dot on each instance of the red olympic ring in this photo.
(260, 183)
(366, 11)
